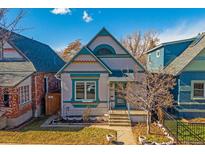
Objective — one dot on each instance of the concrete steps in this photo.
(119, 118)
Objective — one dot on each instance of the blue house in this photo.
(185, 59)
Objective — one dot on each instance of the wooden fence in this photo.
(53, 101)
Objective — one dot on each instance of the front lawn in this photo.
(33, 134)
(156, 134)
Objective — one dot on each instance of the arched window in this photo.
(104, 49)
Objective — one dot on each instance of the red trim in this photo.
(9, 50)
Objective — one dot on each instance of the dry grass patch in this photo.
(197, 120)
(156, 134)
(34, 134)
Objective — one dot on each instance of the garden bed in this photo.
(156, 136)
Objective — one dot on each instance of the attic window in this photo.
(158, 54)
(104, 49)
(149, 58)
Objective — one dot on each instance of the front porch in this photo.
(116, 94)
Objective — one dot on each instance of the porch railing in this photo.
(128, 109)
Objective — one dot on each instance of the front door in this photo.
(120, 102)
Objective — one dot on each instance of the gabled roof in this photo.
(105, 32)
(169, 43)
(180, 62)
(43, 58)
(84, 50)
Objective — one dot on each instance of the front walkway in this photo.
(124, 134)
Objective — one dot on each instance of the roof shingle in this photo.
(180, 62)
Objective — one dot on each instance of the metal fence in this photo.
(184, 132)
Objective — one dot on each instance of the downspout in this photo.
(35, 102)
(179, 89)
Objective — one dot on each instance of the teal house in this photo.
(91, 78)
(185, 59)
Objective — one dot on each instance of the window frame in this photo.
(192, 90)
(158, 53)
(149, 58)
(24, 94)
(85, 92)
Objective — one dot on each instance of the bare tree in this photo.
(138, 44)
(11, 25)
(150, 92)
(71, 50)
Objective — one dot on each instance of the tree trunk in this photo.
(148, 122)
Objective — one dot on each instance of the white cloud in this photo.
(183, 30)
(86, 17)
(61, 11)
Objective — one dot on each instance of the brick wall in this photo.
(14, 110)
(38, 90)
(38, 93)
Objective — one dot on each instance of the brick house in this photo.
(27, 69)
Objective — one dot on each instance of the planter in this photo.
(109, 137)
(142, 139)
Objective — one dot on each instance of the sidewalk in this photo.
(124, 134)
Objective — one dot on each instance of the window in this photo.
(158, 54)
(198, 89)
(6, 99)
(85, 90)
(24, 94)
(104, 51)
(149, 58)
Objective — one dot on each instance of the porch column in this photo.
(112, 94)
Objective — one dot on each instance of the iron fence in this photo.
(184, 132)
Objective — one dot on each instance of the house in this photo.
(184, 59)
(27, 73)
(92, 76)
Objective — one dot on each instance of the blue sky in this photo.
(60, 26)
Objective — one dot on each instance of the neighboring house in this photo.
(185, 59)
(93, 75)
(27, 72)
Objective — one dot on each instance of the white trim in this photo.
(85, 91)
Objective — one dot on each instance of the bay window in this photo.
(85, 90)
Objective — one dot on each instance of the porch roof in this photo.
(125, 77)
(12, 79)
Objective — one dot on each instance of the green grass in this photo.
(33, 134)
(156, 134)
